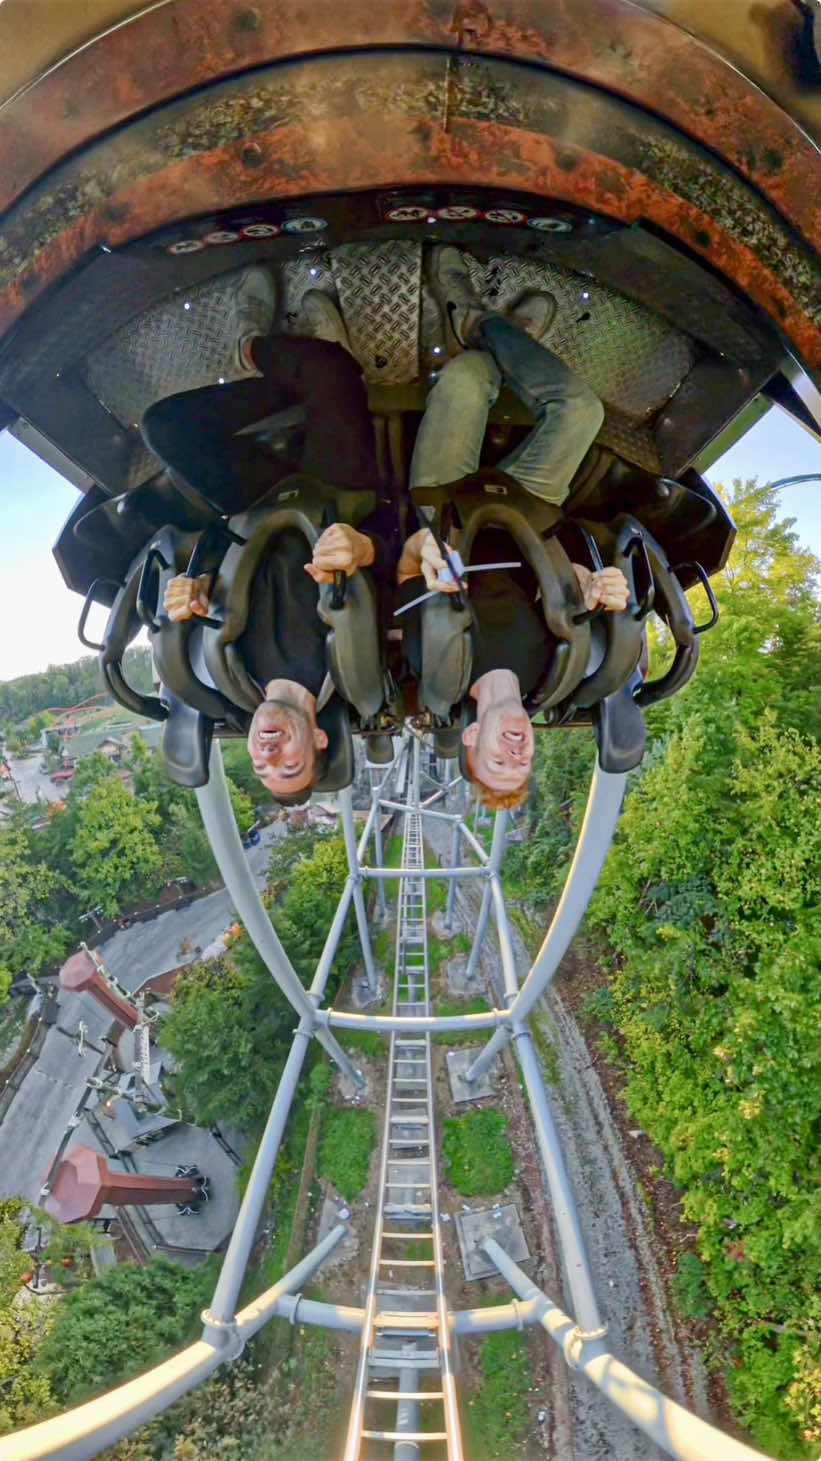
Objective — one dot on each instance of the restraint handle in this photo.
(90, 599)
(708, 589)
(146, 608)
(339, 586)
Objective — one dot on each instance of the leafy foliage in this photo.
(230, 1028)
(478, 1159)
(24, 1396)
(30, 936)
(496, 1413)
(117, 1325)
(710, 902)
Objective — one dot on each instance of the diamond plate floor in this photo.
(630, 357)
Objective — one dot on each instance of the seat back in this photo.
(354, 654)
(500, 502)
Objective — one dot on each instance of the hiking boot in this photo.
(535, 313)
(254, 306)
(324, 319)
(453, 290)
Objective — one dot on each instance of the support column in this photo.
(598, 827)
(407, 1415)
(348, 832)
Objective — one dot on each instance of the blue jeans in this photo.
(568, 414)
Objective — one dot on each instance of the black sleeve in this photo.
(388, 533)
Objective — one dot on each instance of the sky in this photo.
(38, 614)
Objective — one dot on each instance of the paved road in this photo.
(31, 783)
(139, 953)
(37, 1117)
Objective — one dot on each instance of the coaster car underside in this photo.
(603, 151)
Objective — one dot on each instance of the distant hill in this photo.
(67, 685)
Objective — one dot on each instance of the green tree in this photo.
(119, 1324)
(25, 1396)
(229, 1027)
(114, 849)
(30, 936)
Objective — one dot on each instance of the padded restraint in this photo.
(622, 545)
(353, 651)
(500, 502)
(177, 647)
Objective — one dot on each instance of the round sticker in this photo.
(222, 236)
(261, 230)
(407, 213)
(550, 225)
(304, 225)
(456, 211)
(186, 246)
(505, 215)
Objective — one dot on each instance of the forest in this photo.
(706, 929)
(66, 685)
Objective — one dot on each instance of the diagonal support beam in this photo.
(220, 824)
(598, 827)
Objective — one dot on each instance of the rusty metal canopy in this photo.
(659, 157)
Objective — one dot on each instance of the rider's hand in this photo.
(340, 547)
(607, 587)
(421, 554)
(186, 598)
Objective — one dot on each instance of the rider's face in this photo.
(282, 747)
(501, 747)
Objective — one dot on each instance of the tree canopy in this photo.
(708, 922)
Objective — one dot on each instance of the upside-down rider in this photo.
(197, 434)
(512, 646)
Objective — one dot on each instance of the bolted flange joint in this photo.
(222, 1334)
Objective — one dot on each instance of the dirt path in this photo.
(617, 1226)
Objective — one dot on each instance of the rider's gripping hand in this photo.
(607, 587)
(421, 554)
(340, 547)
(187, 597)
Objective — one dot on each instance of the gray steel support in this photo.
(410, 1024)
(229, 1283)
(349, 834)
(426, 872)
(298, 1310)
(454, 863)
(600, 819)
(379, 854)
(479, 936)
(220, 825)
(80, 1434)
(671, 1426)
(565, 1215)
(508, 957)
(407, 1415)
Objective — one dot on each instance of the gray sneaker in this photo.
(255, 300)
(535, 313)
(453, 290)
(324, 319)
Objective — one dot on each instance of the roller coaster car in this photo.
(680, 239)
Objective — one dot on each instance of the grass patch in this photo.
(476, 1006)
(366, 1041)
(546, 1051)
(284, 1190)
(478, 1159)
(495, 1417)
(345, 1146)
